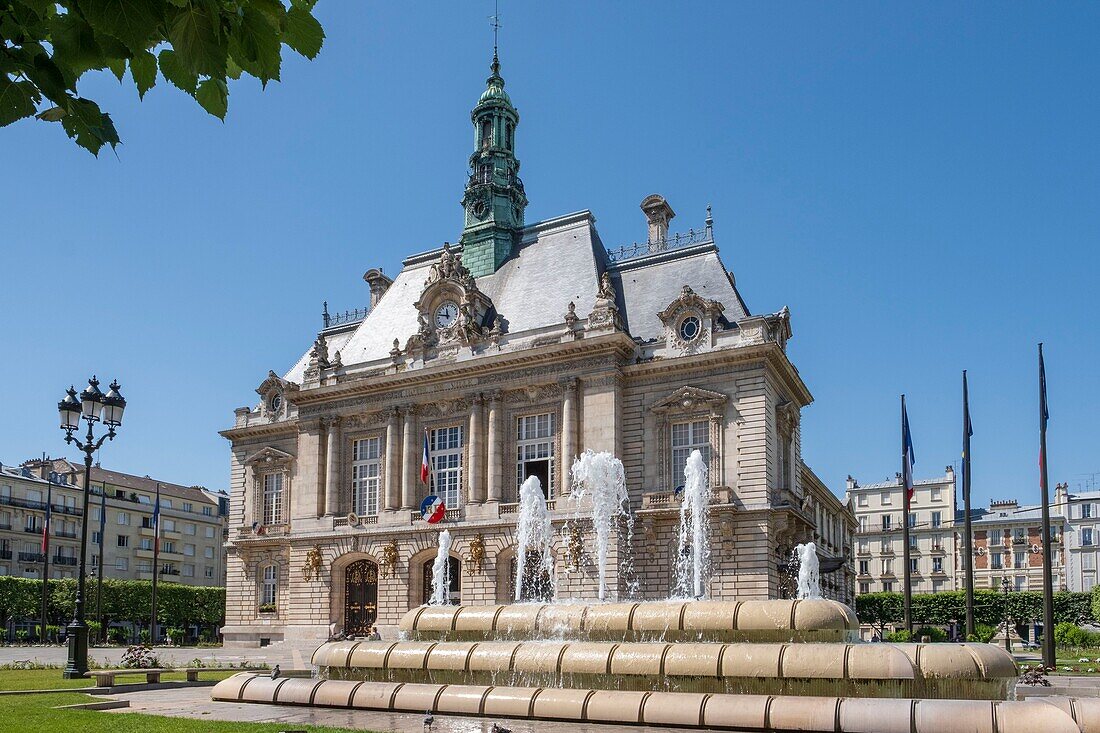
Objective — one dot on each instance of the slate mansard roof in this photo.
(557, 261)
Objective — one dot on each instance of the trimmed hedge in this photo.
(123, 600)
(880, 609)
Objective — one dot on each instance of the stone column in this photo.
(409, 462)
(393, 461)
(496, 448)
(476, 472)
(332, 466)
(568, 435)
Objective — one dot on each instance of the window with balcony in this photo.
(937, 542)
(914, 564)
(445, 446)
(912, 520)
(863, 524)
(1019, 535)
(366, 475)
(145, 543)
(937, 519)
(913, 542)
(887, 522)
(864, 567)
(1019, 559)
(31, 524)
(996, 538)
(887, 566)
(168, 546)
(996, 561)
(273, 498)
(937, 565)
(535, 449)
(1086, 536)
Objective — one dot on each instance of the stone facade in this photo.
(511, 370)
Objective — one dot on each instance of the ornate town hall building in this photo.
(511, 352)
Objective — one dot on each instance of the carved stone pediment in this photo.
(269, 456)
(451, 309)
(773, 327)
(691, 399)
(690, 300)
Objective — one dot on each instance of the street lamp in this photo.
(93, 406)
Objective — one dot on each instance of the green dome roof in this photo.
(494, 86)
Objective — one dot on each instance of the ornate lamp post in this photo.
(92, 407)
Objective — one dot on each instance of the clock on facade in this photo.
(446, 315)
(479, 208)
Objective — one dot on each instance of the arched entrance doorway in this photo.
(360, 597)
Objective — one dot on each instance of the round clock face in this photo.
(479, 208)
(690, 328)
(446, 315)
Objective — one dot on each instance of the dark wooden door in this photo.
(360, 597)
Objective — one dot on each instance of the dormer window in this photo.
(276, 402)
(690, 328)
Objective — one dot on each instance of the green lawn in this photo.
(51, 679)
(36, 714)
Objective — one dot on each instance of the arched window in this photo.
(269, 587)
(511, 142)
(486, 133)
(273, 498)
(454, 587)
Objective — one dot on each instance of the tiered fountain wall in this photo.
(780, 665)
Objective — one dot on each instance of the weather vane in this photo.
(494, 21)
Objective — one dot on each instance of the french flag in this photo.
(46, 530)
(908, 456)
(425, 461)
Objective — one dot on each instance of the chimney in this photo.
(852, 483)
(658, 213)
(378, 283)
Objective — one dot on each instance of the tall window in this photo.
(270, 586)
(887, 521)
(996, 537)
(995, 561)
(1086, 511)
(366, 473)
(686, 437)
(937, 519)
(1020, 560)
(273, 498)
(445, 445)
(887, 566)
(937, 565)
(1086, 536)
(535, 450)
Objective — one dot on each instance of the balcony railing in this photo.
(40, 505)
(675, 241)
(65, 535)
(63, 560)
(5, 554)
(33, 530)
(31, 557)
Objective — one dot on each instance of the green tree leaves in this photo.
(197, 45)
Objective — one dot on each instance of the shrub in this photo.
(1072, 635)
(983, 633)
(145, 637)
(116, 635)
(139, 657)
(21, 636)
(175, 636)
(934, 633)
(899, 637)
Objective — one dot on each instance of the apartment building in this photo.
(120, 522)
(1008, 544)
(835, 527)
(879, 554)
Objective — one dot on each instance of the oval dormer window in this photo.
(690, 328)
(275, 402)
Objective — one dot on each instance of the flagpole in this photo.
(907, 586)
(46, 559)
(968, 538)
(156, 569)
(1048, 580)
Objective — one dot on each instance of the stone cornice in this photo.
(285, 429)
(769, 353)
(616, 348)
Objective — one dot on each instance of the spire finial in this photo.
(494, 22)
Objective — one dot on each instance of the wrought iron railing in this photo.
(63, 560)
(340, 319)
(31, 557)
(675, 241)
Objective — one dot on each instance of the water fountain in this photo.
(441, 571)
(533, 534)
(600, 478)
(809, 570)
(775, 665)
(693, 556)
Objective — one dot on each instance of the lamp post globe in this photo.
(93, 406)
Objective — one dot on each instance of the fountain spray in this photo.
(600, 477)
(693, 556)
(809, 571)
(533, 536)
(441, 571)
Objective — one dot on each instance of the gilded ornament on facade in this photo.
(314, 562)
(389, 559)
(476, 557)
(574, 548)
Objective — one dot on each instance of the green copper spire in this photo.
(494, 200)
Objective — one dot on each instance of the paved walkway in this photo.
(285, 654)
(195, 702)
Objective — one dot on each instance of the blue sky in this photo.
(917, 182)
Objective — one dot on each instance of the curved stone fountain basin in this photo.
(778, 620)
(730, 712)
(969, 671)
